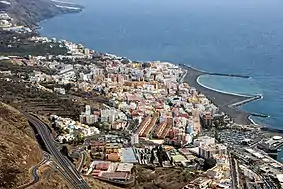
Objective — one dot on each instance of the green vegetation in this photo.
(14, 44)
(209, 163)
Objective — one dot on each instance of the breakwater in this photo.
(226, 102)
(237, 104)
(228, 75)
(214, 73)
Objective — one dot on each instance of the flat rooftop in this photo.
(128, 156)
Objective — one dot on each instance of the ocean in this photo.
(240, 37)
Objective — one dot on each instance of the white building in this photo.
(204, 141)
(67, 68)
(90, 119)
(87, 110)
(60, 90)
(208, 151)
(108, 115)
(97, 71)
(134, 139)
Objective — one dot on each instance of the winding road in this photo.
(82, 162)
(34, 172)
(70, 173)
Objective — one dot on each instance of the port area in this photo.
(226, 102)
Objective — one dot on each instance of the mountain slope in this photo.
(32, 11)
(19, 150)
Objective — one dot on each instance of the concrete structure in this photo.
(208, 151)
(134, 139)
(125, 167)
(60, 90)
(87, 110)
(204, 140)
(128, 155)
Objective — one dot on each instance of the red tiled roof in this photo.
(150, 126)
(160, 128)
(146, 121)
(102, 166)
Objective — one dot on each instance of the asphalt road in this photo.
(73, 176)
(235, 174)
(34, 172)
(82, 162)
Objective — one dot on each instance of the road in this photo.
(34, 172)
(80, 167)
(234, 170)
(73, 176)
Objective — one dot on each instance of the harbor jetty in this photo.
(226, 102)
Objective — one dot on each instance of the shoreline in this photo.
(225, 92)
(228, 104)
(225, 101)
(252, 121)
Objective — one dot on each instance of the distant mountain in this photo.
(32, 11)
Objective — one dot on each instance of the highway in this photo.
(70, 173)
(234, 170)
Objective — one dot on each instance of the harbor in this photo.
(226, 102)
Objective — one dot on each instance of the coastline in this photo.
(228, 102)
(228, 93)
(252, 121)
(225, 101)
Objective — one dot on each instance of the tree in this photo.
(160, 155)
(152, 157)
(209, 163)
(80, 137)
(68, 87)
(171, 161)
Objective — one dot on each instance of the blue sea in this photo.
(226, 36)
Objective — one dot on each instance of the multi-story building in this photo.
(144, 124)
(208, 151)
(160, 128)
(97, 71)
(206, 120)
(87, 110)
(134, 139)
(204, 141)
(150, 126)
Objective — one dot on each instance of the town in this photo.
(144, 115)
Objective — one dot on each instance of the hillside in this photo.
(32, 11)
(19, 150)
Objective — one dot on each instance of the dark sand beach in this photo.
(222, 100)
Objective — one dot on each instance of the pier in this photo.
(227, 75)
(257, 97)
(227, 103)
